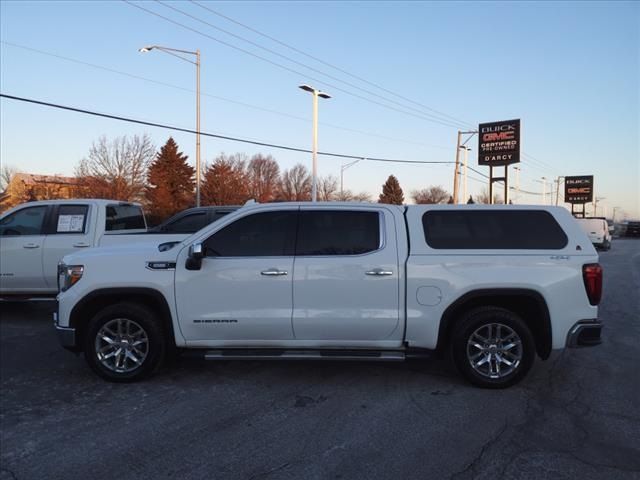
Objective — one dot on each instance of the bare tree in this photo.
(263, 175)
(6, 174)
(327, 188)
(483, 197)
(116, 169)
(295, 184)
(349, 196)
(433, 194)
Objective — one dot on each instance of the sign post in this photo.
(499, 145)
(578, 190)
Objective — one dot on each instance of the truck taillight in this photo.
(592, 276)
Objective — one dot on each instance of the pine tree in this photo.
(391, 192)
(170, 183)
(226, 182)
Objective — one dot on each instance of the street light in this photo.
(316, 93)
(342, 169)
(176, 53)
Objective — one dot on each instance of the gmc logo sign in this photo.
(499, 143)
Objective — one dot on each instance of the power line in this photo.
(284, 67)
(327, 63)
(213, 135)
(216, 97)
(296, 62)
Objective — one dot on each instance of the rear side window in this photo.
(27, 221)
(71, 219)
(268, 234)
(338, 232)
(510, 230)
(124, 217)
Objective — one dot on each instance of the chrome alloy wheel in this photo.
(121, 345)
(494, 350)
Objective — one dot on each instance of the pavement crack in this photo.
(486, 446)
(269, 472)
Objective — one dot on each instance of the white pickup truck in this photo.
(495, 285)
(34, 237)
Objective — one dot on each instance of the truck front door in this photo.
(242, 291)
(21, 241)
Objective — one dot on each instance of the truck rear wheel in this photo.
(492, 347)
(124, 342)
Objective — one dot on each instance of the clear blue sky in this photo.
(569, 70)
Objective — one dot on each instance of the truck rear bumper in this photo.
(585, 333)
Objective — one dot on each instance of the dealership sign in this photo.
(578, 189)
(499, 143)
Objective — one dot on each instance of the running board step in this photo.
(275, 354)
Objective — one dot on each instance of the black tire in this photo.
(154, 348)
(479, 320)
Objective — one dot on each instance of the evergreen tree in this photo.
(391, 192)
(170, 183)
(450, 202)
(226, 182)
(470, 201)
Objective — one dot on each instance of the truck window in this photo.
(338, 232)
(26, 221)
(188, 224)
(478, 229)
(124, 217)
(71, 219)
(268, 234)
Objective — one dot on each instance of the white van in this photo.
(598, 231)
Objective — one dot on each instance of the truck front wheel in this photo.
(493, 347)
(124, 342)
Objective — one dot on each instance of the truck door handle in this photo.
(379, 272)
(31, 245)
(81, 245)
(273, 272)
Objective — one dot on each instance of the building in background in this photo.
(27, 187)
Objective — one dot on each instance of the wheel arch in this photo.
(529, 304)
(89, 305)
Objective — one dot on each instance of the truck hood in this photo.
(138, 251)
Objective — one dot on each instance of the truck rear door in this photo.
(71, 228)
(346, 277)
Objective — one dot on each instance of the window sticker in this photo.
(70, 223)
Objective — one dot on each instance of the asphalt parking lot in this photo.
(577, 416)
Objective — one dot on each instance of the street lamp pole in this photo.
(176, 52)
(314, 179)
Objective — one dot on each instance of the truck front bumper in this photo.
(585, 333)
(66, 335)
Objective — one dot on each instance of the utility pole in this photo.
(342, 169)
(455, 174)
(517, 169)
(558, 189)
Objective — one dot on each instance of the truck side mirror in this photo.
(194, 260)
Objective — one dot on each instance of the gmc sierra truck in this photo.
(34, 236)
(496, 286)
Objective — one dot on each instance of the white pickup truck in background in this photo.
(34, 237)
(495, 285)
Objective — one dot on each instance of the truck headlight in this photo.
(68, 276)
